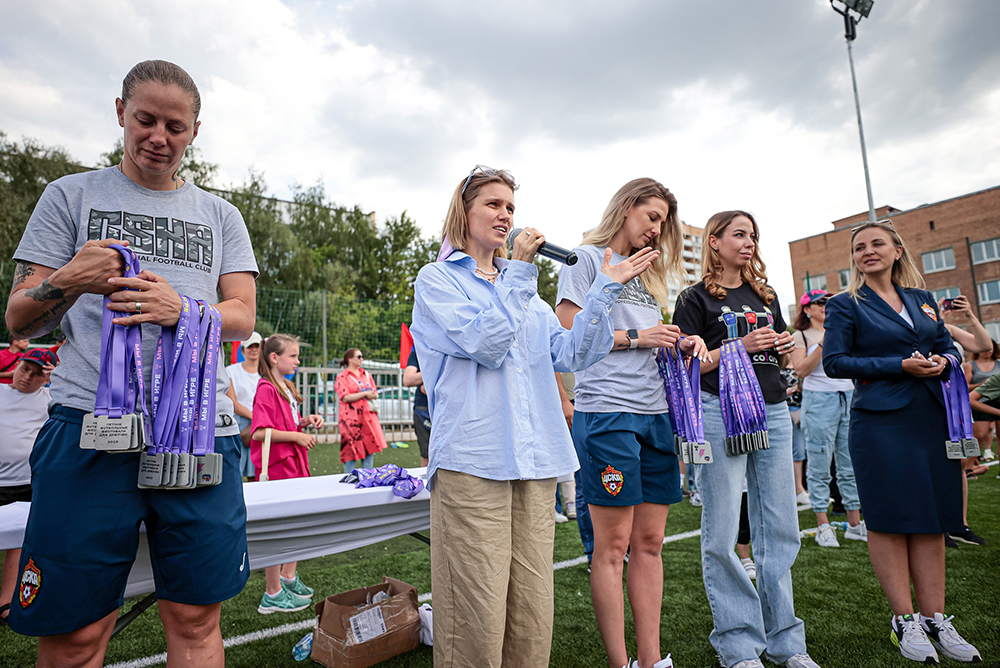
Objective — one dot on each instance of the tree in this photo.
(25, 170)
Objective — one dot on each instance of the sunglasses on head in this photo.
(485, 171)
(881, 223)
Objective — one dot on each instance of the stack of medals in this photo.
(181, 453)
(115, 426)
(682, 384)
(743, 407)
(960, 443)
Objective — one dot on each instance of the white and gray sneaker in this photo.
(802, 498)
(695, 499)
(827, 537)
(857, 532)
(801, 661)
(748, 663)
(946, 639)
(912, 640)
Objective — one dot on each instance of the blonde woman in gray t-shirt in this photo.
(621, 429)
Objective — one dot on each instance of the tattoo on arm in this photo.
(40, 324)
(44, 292)
(22, 272)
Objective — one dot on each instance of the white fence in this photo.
(395, 402)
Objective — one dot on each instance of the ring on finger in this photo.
(138, 307)
(527, 233)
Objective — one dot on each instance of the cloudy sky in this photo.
(729, 103)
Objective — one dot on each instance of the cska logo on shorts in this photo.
(929, 311)
(612, 479)
(31, 582)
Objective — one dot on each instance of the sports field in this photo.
(836, 594)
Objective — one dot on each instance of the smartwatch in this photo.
(633, 339)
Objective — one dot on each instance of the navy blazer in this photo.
(867, 340)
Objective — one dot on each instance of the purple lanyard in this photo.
(956, 403)
(690, 391)
(670, 389)
(121, 380)
(204, 424)
(184, 381)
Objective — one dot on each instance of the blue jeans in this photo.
(246, 466)
(749, 621)
(583, 522)
(826, 419)
(366, 463)
(798, 440)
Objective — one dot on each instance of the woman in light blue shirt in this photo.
(488, 348)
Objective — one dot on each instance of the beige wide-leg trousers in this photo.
(491, 571)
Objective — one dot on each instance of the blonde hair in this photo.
(277, 343)
(904, 272)
(670, 241)
(754, 273)
(456, 223)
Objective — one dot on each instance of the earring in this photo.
(808, 316)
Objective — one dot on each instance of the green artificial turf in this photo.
(846, 617)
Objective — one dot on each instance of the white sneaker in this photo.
(662, 663)
(750, 568)
(695, 499)
(560, 518)
(913, 643)
(946, 639)
(801, 499)
(827, 537)
(858, 532)
(801, 661)
(748, 663)
(570, 511)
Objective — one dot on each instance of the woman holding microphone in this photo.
(886, 333)
(489, 348)
(621, 429)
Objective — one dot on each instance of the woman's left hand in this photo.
(783, 344)
(695, 347)
(626, 270)
(314, 421)
(156, 302)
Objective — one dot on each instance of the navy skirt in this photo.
(905, 480)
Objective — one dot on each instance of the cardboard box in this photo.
(351, 633)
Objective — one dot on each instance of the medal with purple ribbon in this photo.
(743, 409)
(961, 443)
(115, 426)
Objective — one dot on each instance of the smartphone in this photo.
(946, 305)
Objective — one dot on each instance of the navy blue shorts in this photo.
(626, 458)
(83, 533)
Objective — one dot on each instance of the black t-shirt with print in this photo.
(698, 312)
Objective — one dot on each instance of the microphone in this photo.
(547, 250)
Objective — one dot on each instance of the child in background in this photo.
(276, 407)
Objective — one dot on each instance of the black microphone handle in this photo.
(548, 250)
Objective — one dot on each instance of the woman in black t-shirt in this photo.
(747, 621)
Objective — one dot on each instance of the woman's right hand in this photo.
(659, 336)
(921, 367)
(307, 441)
(371, 394)
(526, 244)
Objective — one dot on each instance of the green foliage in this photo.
(25, 170)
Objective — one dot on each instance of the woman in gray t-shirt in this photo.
(628, 469)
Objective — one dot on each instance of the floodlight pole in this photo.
(850, 33)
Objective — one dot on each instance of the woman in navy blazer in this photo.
(886, 333)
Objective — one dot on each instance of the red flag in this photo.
(405, 345)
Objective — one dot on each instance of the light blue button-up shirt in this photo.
(488, 356)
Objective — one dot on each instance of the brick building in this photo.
(955, 244)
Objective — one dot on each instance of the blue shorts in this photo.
(83, 533)
(626, 458)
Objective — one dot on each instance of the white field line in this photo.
(246, 638)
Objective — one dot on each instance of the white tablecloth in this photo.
(288, 520)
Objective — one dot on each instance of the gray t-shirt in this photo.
(625, 381)
(188, 236)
